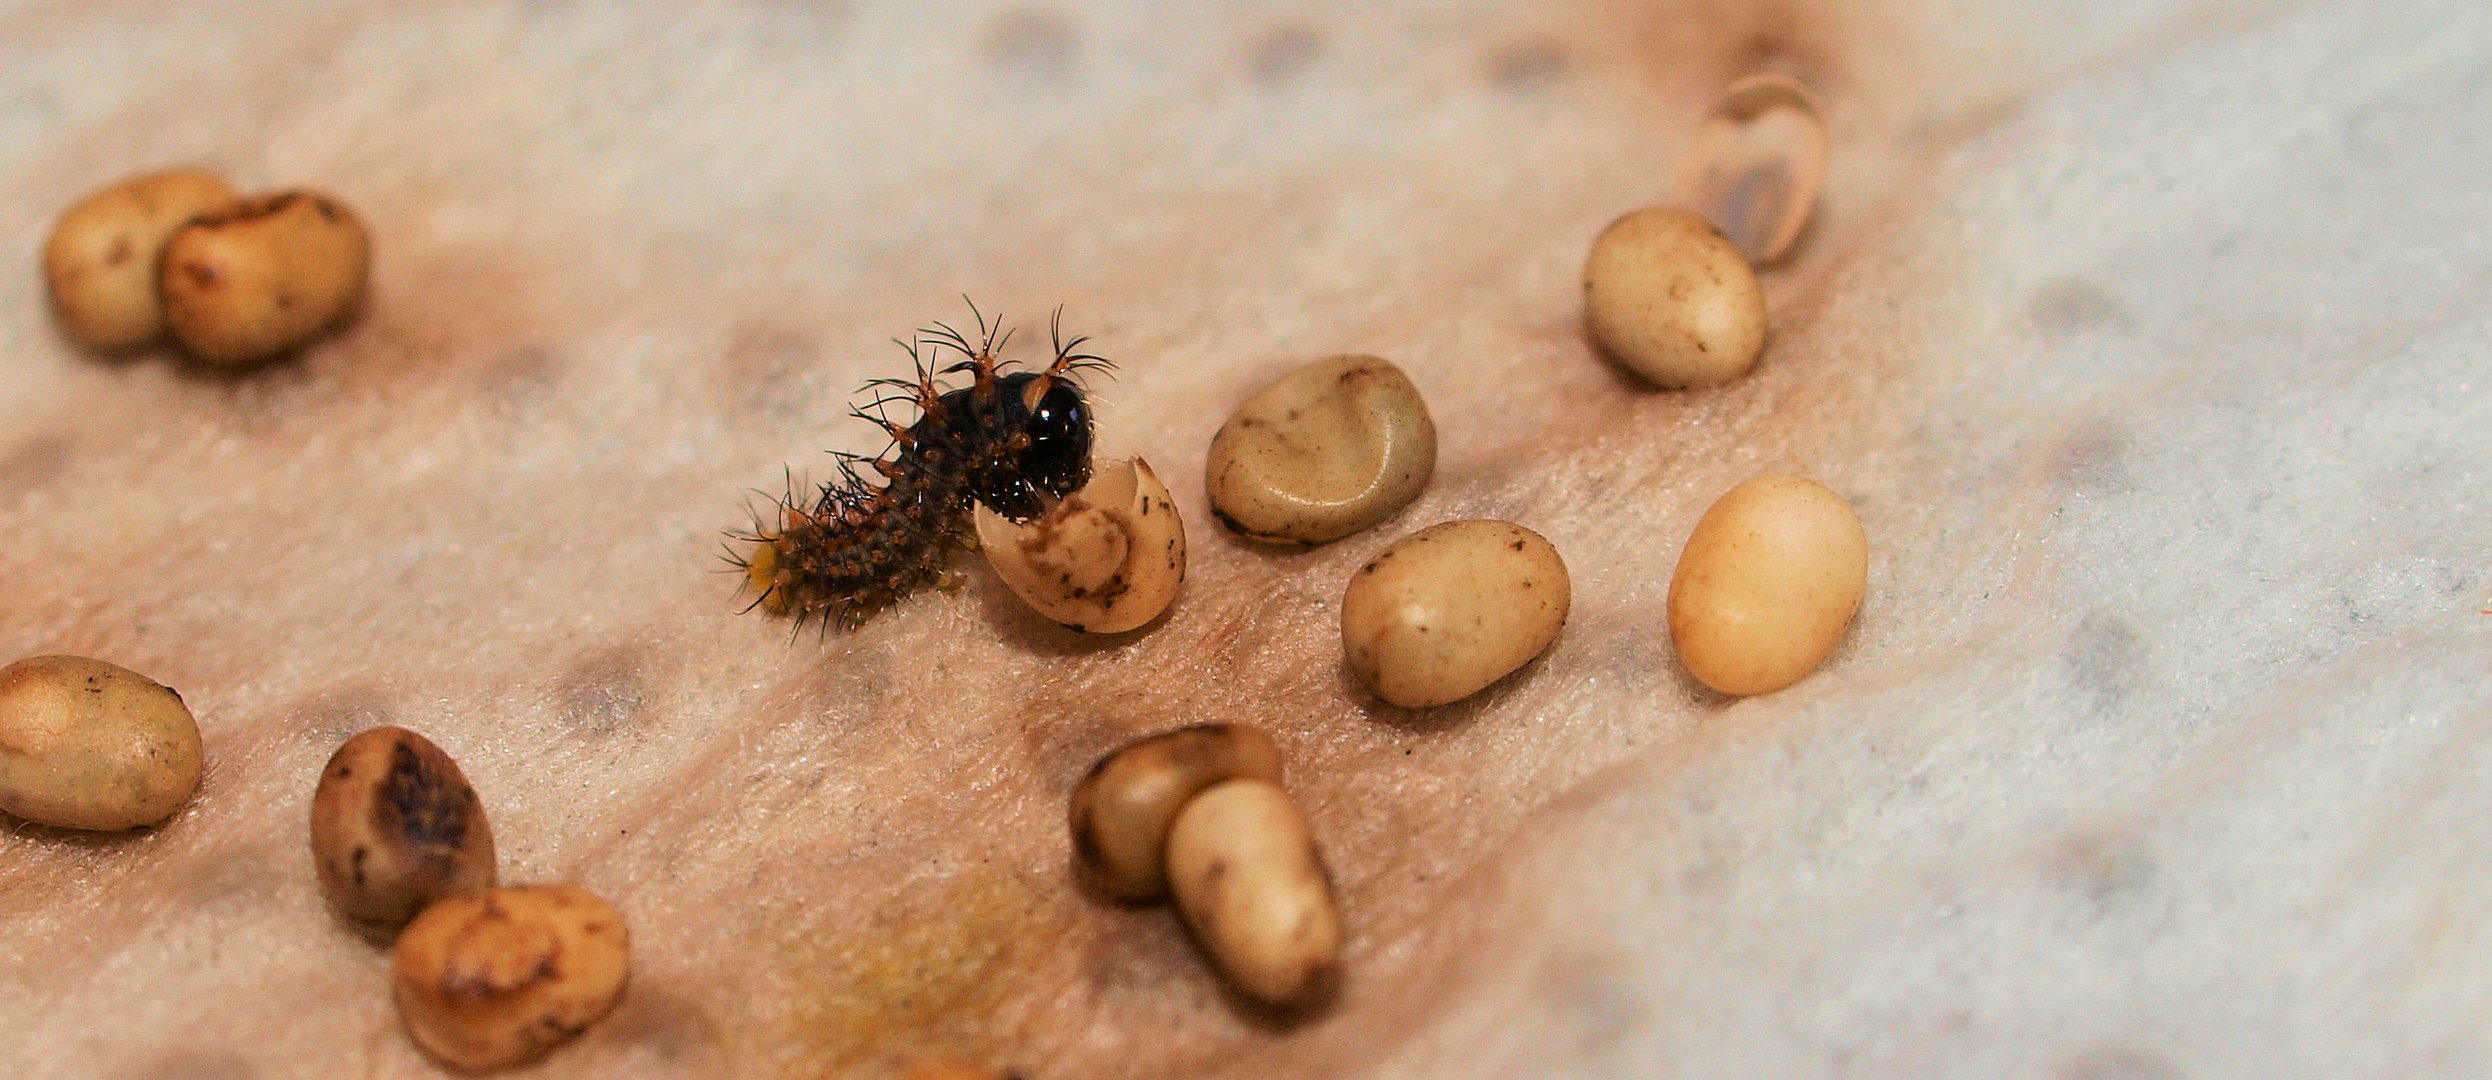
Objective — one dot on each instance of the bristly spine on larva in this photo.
(1014, 441)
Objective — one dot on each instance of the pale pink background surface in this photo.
(2149, 339)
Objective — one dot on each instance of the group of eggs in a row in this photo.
(1764, 589)
(488, 976)
(399, 840)
(234, 280)
(1767, 582)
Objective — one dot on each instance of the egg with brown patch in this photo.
(395, 826)
(1106, 560)
(499, 978)
(264, 276)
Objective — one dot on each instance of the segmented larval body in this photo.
(1014, 441)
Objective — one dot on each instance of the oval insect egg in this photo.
(1122, 810)
(1324, 451)
(1243, 866)
(100, 263)
(1767, 584)
(264, 276)
(395, 825)
(493, 979)
(85, 744)
(1672, 299)
(1441, 614)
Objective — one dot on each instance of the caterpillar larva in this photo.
(1014, 441)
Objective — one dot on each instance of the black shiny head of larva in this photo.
(1052, 412)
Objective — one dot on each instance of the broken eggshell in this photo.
(1757, 165)
(1106, 560)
